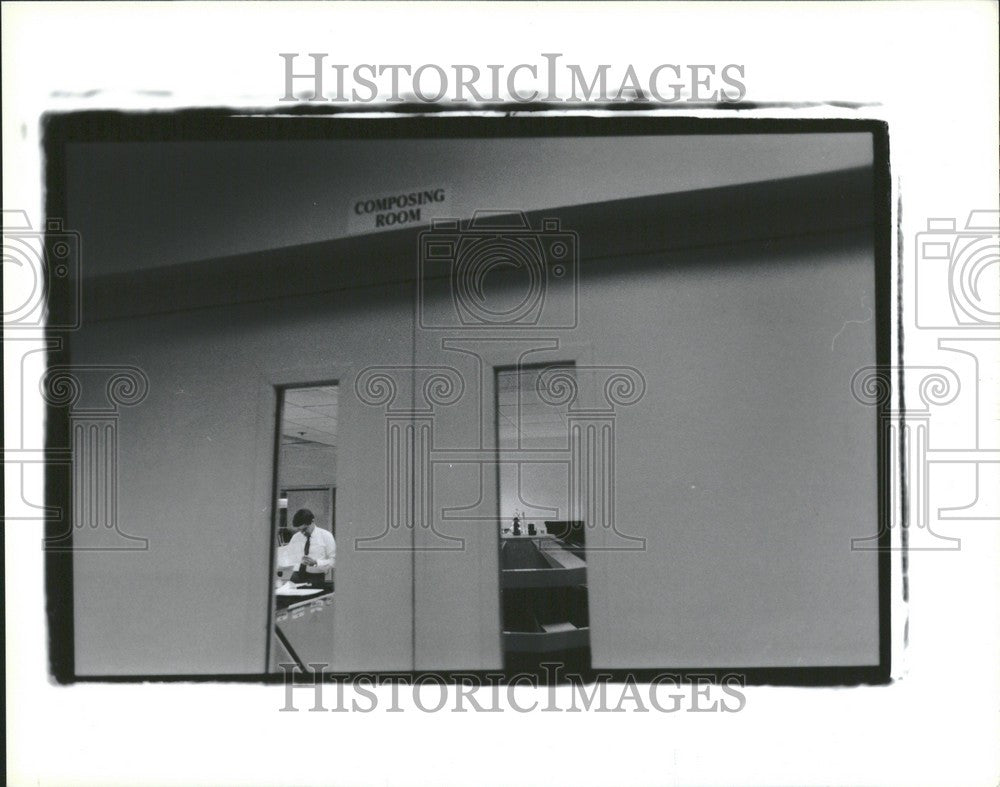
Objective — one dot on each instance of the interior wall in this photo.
(195, 464)
(536, 491)
(311, 464)
(746, 465)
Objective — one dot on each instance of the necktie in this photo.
(304, 573)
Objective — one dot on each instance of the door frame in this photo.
(271, 386)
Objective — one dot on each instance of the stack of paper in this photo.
(292, 589)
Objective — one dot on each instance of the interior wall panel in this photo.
(195, 464)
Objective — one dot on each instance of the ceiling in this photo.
(310, 416)
(153, 204)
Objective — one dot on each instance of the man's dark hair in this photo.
(302, 517)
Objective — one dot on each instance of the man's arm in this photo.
(329, 556)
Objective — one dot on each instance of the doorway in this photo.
(304, 524)
(545, 615)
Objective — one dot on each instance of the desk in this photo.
(303, 630)
(544, 597)
(536, 562)
(287, 602)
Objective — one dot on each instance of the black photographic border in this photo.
(314, 123)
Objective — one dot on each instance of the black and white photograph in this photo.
(519, 392)
(380, 413)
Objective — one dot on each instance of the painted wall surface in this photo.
(532, 421)
(745, 466)
(195, 480)
(309, 464)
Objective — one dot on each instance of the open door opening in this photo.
(305, 526)
(543, 569)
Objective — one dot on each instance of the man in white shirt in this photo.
(313, 549)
